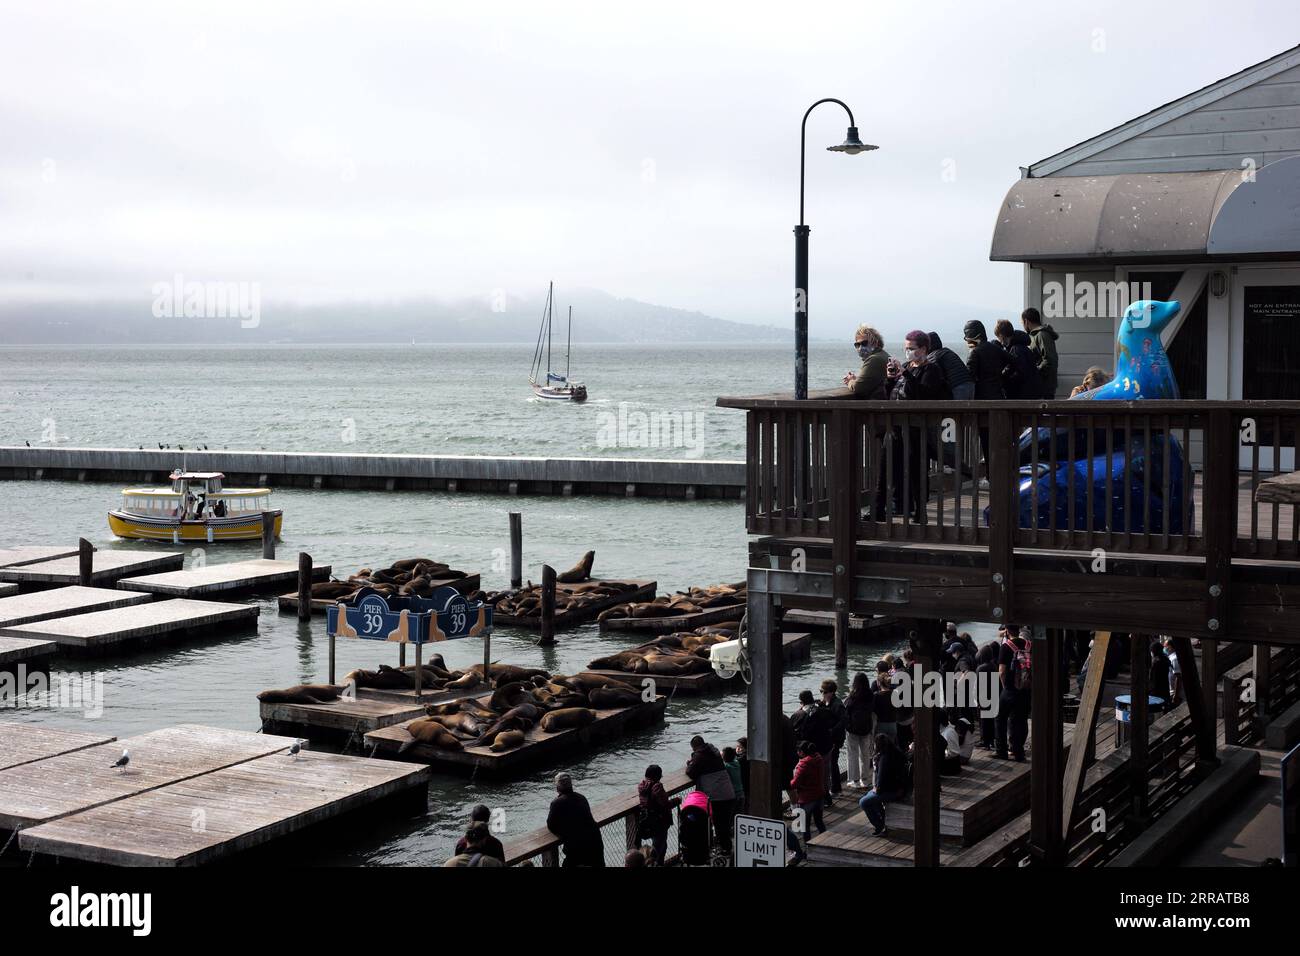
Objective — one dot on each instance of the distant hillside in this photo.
(597, 317)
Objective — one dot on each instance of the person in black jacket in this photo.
(919, 380)
(831, 703)
(491, 845)
(1020, 377)
(859, 707)
(960, 382)
(986, 362)
(570, 819)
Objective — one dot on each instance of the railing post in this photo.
(1231, 711)
(924, 636)
(1003, 482)
(1046, 772)
(1202, 723)
(1139, 734)
(1218, 522)
(844, 464)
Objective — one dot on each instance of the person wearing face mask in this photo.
(955, 373)
(871, 380)
(919, 380)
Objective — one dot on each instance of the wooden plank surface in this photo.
(148, 621)
(28, 554)
(317, 721)
(794, 647)
(62, 602)
(289, 602)
(110, 565)
(24, 743)
(19, 650)
(257, 574)
(215, 815)
(72, 782)
(643, 591)
(681, 622)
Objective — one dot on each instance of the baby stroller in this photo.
(693, 831)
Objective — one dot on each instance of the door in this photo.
(1266, 353)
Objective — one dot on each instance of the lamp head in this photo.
(852, 144)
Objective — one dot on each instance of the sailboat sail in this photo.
(554, 386)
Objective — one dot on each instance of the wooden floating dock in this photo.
(259, 574)
(30, 554)
(642, 591)
(862, 629)
(109, 567)
(681, 622)
(54, 787)
(21, 650)
(794, 647)
(538, 745)
(63, 602)
(289, 602)
(242, 806)
(340, 720)
(7, 590)
(141, 623)
(24, 743)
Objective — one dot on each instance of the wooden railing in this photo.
(616, 818)
(1244, 719)
(1166, 477)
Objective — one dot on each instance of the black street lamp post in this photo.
(852, 145)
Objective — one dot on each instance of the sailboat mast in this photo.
(568, 345)
(549, 303)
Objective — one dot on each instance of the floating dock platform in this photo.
(109, 567)
(7, 590)
(30, 554)
(342, 719)
(862, 630)
(641, 591)
(24, 743)
(794, 647)
(289, 602)
(538, 745)
(137, 624)
(243, 806)
(37, 606)
(222, 580)
(43, 790)
(21, 650)
(670, 625)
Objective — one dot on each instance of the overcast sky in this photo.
(385, 151)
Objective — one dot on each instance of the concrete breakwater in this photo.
(625, 477)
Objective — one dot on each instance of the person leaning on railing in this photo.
(871, 380)
(654, 813)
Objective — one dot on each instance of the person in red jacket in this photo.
(809, 787)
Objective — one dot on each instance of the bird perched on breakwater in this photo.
(28, 444)
(123, 760)
(295, 749)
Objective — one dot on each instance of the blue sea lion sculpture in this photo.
(1142, 372)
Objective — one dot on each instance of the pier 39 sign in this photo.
(759, 841)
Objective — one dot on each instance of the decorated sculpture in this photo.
(1137, 499)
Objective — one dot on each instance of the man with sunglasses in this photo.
(872, 380)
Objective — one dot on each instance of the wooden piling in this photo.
(516, 550)
(548, 605)
(268, 535)
(304, 586)
(86, 565)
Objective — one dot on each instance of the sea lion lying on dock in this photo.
(426, 730)
(586, 682)
(608, 698)
(302, 694)
(510, 673)
(567, 718)
(580, 571)
(507, 740)
(691, 601)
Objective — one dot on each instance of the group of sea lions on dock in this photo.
(672, 655)
(434, 676)
(579, 592)
(524, 698)
(410, 577)
(691, 601)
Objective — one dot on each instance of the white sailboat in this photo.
(553, 386)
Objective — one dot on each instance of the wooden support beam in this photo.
(1139, 689)
(516, 550)
(85, 562)
(1085, 727)
(925, 635)
(304, 586)
(843, 479)
(1046, 839)
(1202, 722)
(765, 718)
(268, 535)
(1263, 657)
(548, 606)
(1002, 524)
(1210, 676)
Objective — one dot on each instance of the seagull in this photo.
(123, 760)
(295, 749)
(28, 444)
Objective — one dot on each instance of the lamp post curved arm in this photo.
(803, 140)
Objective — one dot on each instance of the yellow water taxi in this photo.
(195, 508)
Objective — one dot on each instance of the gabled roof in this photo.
(1164, 114)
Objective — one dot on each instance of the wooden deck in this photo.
(538, 745)
(794, 647)
(866, 629)
(7, 589)
(29, 554)
(142, 623)
(20, 650)
(212, 816)
(340, 720)
(24, 743)
(55, 787)
(62, 602)
(109, 567)
(670, 625)
(289, 602)
(643, 591)
(235, 577)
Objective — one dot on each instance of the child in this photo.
(732, 763)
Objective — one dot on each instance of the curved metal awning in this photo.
(1156, 216)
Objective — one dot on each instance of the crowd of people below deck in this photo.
(869, 727)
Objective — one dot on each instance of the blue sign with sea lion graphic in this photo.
(371, 616)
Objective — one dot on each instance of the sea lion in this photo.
(607, 698)
(507, 740)
(587, 681)
(510, 673)
(580, 571)
(566, 718)
(302, 694)
(504, 725)
(424, 730)
(466, 681)
(629, 662)
(507, 696)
